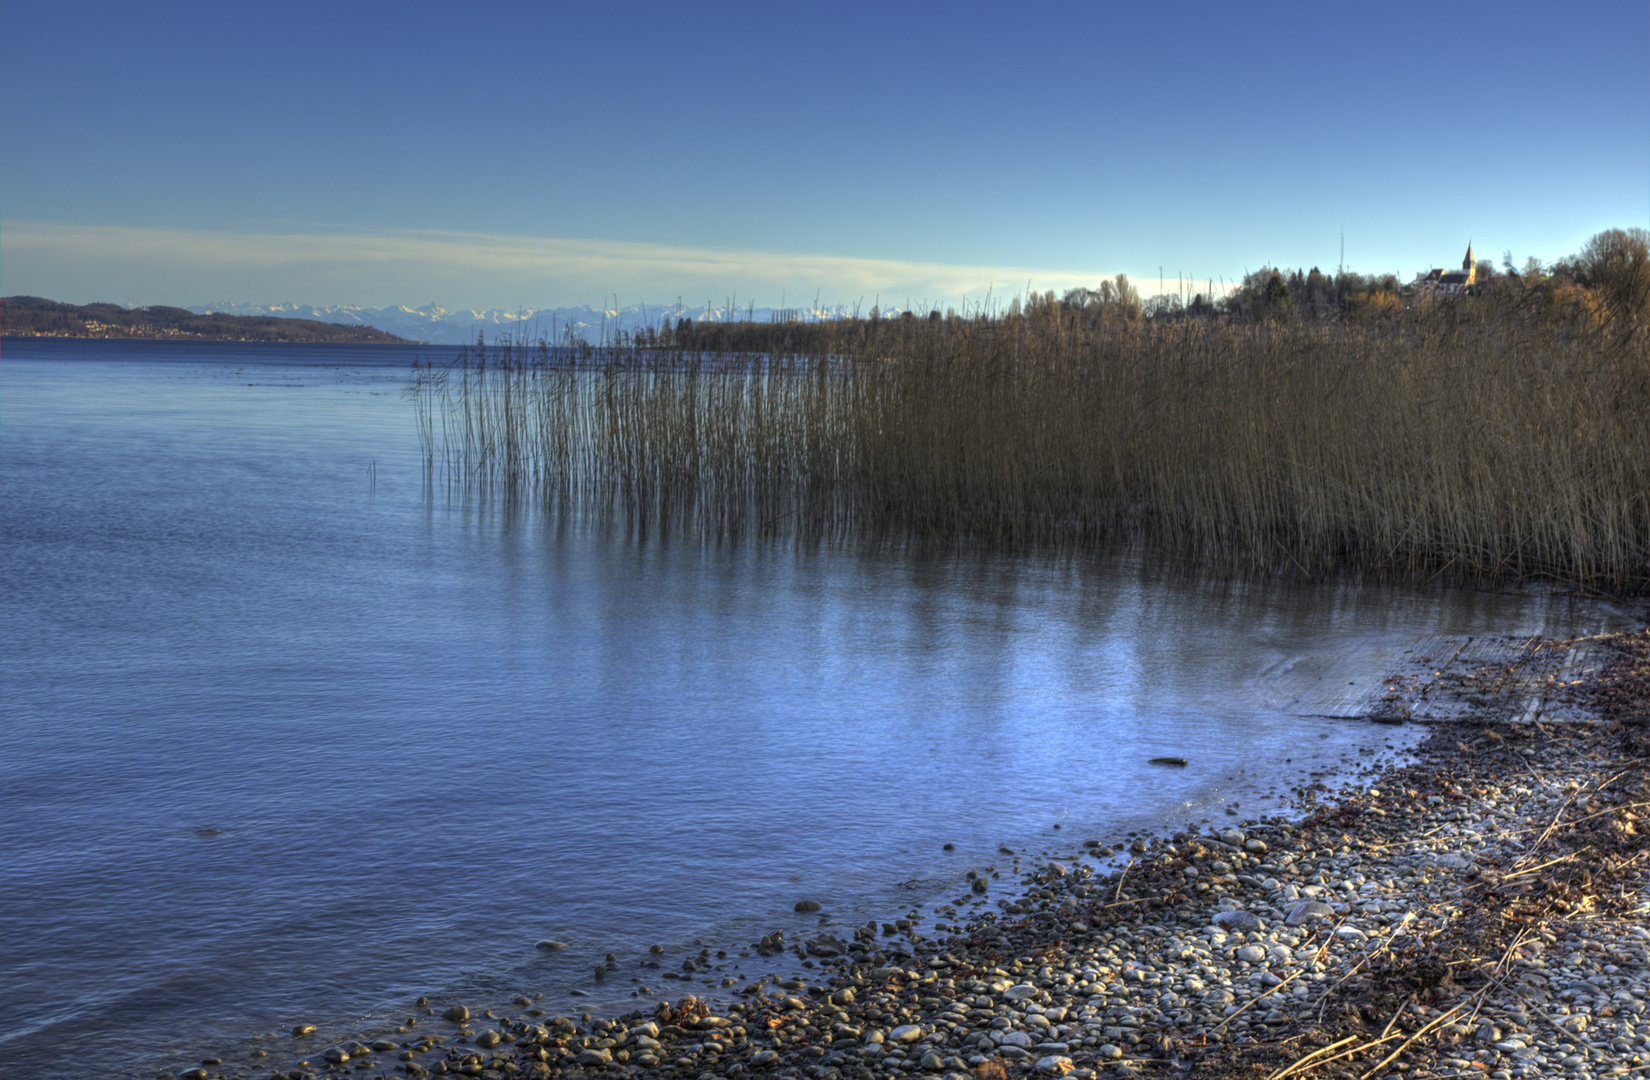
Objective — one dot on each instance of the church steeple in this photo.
(1467, 264)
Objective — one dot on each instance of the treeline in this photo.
(33, 316)
(1608, 280)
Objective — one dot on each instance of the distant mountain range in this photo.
(439, 326)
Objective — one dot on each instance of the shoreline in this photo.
(1439, 901)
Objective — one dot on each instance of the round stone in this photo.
(807, 905)
(1307, 910)
(1245, 922)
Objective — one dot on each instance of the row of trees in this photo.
(1608, 278)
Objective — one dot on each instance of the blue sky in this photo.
(535, 155)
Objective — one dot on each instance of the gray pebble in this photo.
(1307, 910)
(1245, 922)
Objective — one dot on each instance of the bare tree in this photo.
(1617, 263)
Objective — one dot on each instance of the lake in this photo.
(286, 739)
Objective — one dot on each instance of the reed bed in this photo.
(1461, 441)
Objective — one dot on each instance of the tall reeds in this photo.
(1465, 440)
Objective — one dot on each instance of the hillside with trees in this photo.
(32, 316)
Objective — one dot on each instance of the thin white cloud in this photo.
(528, 269)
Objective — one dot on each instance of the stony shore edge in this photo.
(1483, 911)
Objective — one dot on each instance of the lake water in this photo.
(282, 739)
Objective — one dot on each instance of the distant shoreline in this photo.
(36, 317)
(36, 336)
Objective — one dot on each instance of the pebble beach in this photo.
(1480, 910)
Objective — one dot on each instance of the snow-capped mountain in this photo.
(437, 325)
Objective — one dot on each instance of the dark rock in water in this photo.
(807, 905)
(549, 944)
(458, 1014)
(1167, 761)
(303, 1030)
(950, 847)
(826, 946)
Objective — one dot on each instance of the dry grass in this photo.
(1464, 440)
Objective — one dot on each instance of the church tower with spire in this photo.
(1455, 282)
